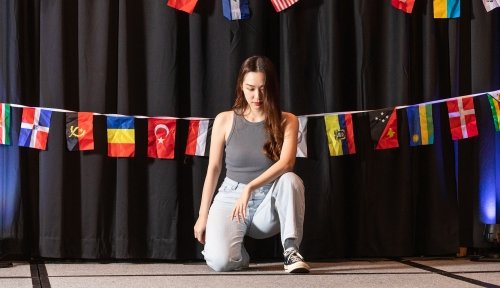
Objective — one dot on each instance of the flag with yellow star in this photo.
(384, 128)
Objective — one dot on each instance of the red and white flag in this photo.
(462, 118)
(161, 138)
(280, 5)
(198, 142)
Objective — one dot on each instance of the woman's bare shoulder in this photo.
(289, 117)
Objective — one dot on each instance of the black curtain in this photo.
(143, 58)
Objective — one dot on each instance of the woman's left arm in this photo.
(283, 165)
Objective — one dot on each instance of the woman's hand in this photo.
(240, 209)
(199, 229)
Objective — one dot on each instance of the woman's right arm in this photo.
(217, 142)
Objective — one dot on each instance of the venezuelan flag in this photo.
(121, 136)
(339, 131)
(420, 124)
(495, 110)
(446, 8)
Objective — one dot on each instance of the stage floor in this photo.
(405, 272)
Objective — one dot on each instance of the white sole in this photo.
(299, 267)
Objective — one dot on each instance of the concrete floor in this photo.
(408, 272)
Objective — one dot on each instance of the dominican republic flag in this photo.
(121, 136)
(494, 99)
(198, 142)
(183, 5)
(403, 5)
(235, 9)
(302, 137)
(462, 117)
(420, 124)
(384, 128)
(35, 126)
(491, 4)
(80, 131)
(161, 138)
(340, 134)
(446, 8)
(4, 124)
(280, 5)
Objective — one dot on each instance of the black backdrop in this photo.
(143, 58)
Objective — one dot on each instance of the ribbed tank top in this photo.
(245, 159)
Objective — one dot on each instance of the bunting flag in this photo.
(491, 4)
(80, 131)
(4, 124)
(235, 9)
(302, 137)
(161, 138)
(280, 5)
(183, 5)
(198, 142)
(420, 125)
(403, 5)
(121, 136)
(35, 126)
(339, 131)
(462, 117)
(494, 99)
(384, 128)
(446, 8)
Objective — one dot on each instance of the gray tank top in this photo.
(245, 159)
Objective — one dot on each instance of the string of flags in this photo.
(442, 8)
(339, 128)
(231, 9)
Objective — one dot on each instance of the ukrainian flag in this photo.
(121, 136)
(495, 110)
(420, 124)
(446, 8)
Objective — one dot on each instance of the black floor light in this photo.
(491, 235)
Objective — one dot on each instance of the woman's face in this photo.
(254, 89)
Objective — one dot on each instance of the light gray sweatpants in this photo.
(273, 208)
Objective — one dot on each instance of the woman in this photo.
(260, 196)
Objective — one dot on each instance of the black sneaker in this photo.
(294, 262)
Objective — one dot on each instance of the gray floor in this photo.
(409, 272)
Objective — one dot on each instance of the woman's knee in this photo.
(294, 180)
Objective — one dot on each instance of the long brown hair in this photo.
(271, 103)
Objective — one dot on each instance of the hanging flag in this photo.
(340, 135)
(35, 126)
(384, 128)
(403, 5)
(462, 117)
(198, 142)
(183, 5)
(446, 8)
(420, 124)
(302, 137)
(280, 5)
(161, 138)
(4, 124)
(235, 9)
(121, 136)
(80, 131)
(494, 99)
(491, 4)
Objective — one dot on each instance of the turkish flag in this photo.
(161, 138)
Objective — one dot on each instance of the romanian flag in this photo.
(161, 138)
(35, 126)
(121, 136)
(420, 124)
(4, 124)
(446, 8)
(494, 99)
(198, 142)
(302, 137)
(80, 131)
(384, 128)
(183, 5)
(339, 131)
(280, 5)
(403, 5)
(235, 9)
(462, 116)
